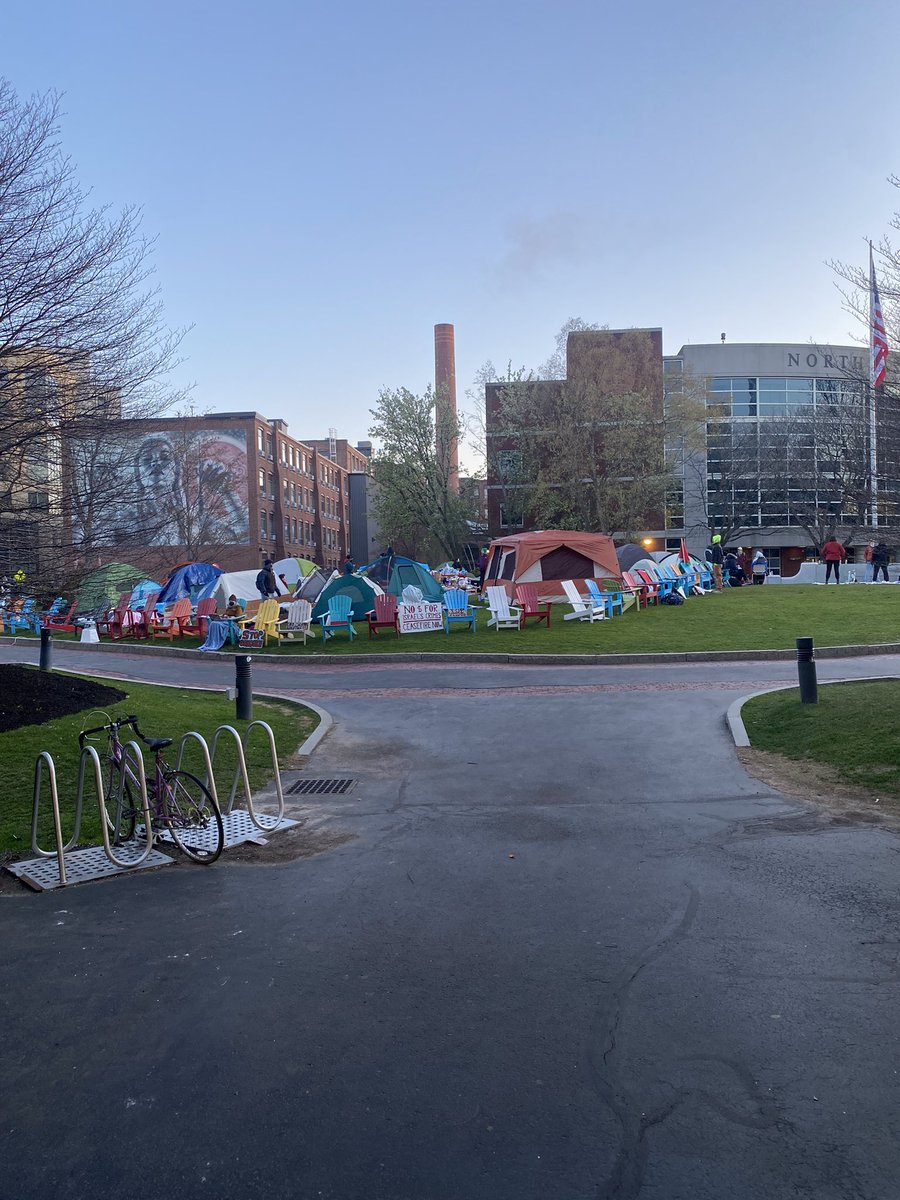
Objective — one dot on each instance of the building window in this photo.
(271, 487)
(293, 495)
(263, 526)
(287, 529)
(510, 519)
(262, 483)
(269, 447)
(261, 441)
(39, 500)
(294, 528)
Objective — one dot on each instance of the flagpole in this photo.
(873, 445)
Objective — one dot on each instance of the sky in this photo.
(327, 182)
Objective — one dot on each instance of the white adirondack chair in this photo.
(503, 614)
(297, 623)
(582, 610)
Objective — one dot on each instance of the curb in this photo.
(735, 722)
(539, 660)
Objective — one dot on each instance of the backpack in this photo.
(262, 581)
(672, 598)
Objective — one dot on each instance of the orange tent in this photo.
(549, 556)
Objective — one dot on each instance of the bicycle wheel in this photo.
(119, 821)
(192, 817)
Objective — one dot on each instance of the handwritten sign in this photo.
(252, 639)
(420, 617)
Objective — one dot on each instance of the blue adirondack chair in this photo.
(458, 610)
(612, 601)
(339, 616)
(24, 619)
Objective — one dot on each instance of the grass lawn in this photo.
(162, 712)
(749, 618)
(853, 729)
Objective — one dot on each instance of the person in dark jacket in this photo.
(880, 556)
(734, 572)
(266, 584)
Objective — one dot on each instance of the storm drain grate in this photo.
(320, 787)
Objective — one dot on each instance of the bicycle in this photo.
(179, 803)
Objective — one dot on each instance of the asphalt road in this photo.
(571, 952)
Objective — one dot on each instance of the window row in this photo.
(742, 396)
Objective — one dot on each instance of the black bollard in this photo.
(244, 685)
(46, 663)
(806, 671)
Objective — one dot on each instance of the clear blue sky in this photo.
(329, 181)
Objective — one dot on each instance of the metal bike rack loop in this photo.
(45, 759)
(192, 735)
(240, 773)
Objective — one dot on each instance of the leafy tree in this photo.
(415, 504)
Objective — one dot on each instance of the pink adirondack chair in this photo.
(384, 614)
(143, 620)
(526, 596)
(635, 587)
(174, 620)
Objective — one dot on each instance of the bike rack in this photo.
(83, 864)
(138, 765)
(263, 822)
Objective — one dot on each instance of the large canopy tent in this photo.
(362, 593)
(188, 580)
(102, 588)
(241, 584)
(294, 569)
(547, 557)
(393, 572)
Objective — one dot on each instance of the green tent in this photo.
(101, 588)
(361, 591)
(393, 572)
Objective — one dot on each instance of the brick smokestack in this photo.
(445, 396)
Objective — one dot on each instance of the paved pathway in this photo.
(572, 950)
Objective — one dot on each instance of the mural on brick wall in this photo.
(176, 487)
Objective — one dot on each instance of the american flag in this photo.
(878, 348)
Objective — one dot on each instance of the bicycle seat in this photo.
(157, 743)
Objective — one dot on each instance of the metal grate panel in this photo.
(237, 826)
(42, 874)
(319, 787)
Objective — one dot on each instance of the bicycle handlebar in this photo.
(113, 725)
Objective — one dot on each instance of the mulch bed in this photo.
(30, 697)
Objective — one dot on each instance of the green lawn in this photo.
(162, 712)
(853, 729)
(750, 618)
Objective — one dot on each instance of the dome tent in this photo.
(393, 572)
(294, 569)
(102, 588)
(362, 593)
(241, 584)
(547, 557)
(186, 581)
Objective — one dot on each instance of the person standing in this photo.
(759, 568)
(833, 553)
(266, 583)
(880, 556)
(482, 567)
(867, 556)
(717, 557)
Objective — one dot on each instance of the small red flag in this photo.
(683, 552)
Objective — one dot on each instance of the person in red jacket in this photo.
(833, 553)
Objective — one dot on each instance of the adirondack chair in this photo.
(657, 586)
(458, 610)
(199, 622)
(339, 616)
(143, 620)
(267, 617)
(526, 594)
(503, 614)
(637, 588)
(610, 600)
(383, 615)
(18, 618)
(173, 621)
(582, 610)
(297, 623)
(62, 621)
(117, 621)
(251, 608)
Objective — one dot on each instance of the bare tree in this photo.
(81, 337)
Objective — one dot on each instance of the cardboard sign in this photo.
(252, 639)
(423, 616)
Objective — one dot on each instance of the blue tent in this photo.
(392, 573)
(187, 580)
(141, 591)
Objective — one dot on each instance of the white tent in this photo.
(237, 583)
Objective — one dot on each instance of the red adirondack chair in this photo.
(526, 597)
(653, 586)
(200, 621)
(384, 614)
(62, 622)
(174, 620)
(117, 622)
(142, 622)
